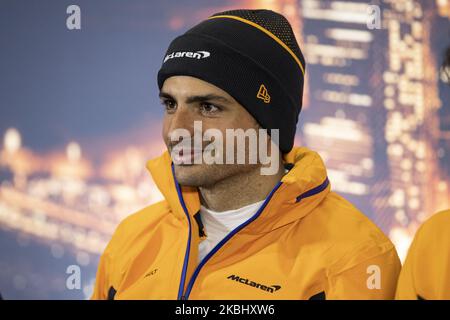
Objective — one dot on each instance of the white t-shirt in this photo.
(218, 224)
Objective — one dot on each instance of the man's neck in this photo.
(239, 190)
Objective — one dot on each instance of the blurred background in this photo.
(80, 115)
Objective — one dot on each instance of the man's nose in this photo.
(182, 118)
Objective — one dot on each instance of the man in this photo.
(426, 272)
(244, 230)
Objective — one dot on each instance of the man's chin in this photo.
(189, 174)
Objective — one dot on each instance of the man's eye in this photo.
(169, 104)
(208, 108)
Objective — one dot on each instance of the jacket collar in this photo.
(299, 192)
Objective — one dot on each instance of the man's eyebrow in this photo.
(166, 95)
(207, 97)
(197, 98)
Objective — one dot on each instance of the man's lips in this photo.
(180, 157)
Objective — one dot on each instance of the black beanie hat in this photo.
(253, 56)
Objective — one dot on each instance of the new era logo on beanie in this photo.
(252, 55)
(263, 94)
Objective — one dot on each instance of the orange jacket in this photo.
(304, 242)
(426, 272)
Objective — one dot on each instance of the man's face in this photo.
(188, 99)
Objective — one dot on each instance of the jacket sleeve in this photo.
(101, 279)
(405, 288)
(105, 272)
(425, 273)
(372, 278)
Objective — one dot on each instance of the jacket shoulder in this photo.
(434, 232)
(145, 215)
(348, 222)
(347, 234)
(438, 221)
(136, 224)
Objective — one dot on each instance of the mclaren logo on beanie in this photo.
(188, 54)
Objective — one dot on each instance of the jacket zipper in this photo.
(216, 248)
(186, 255)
